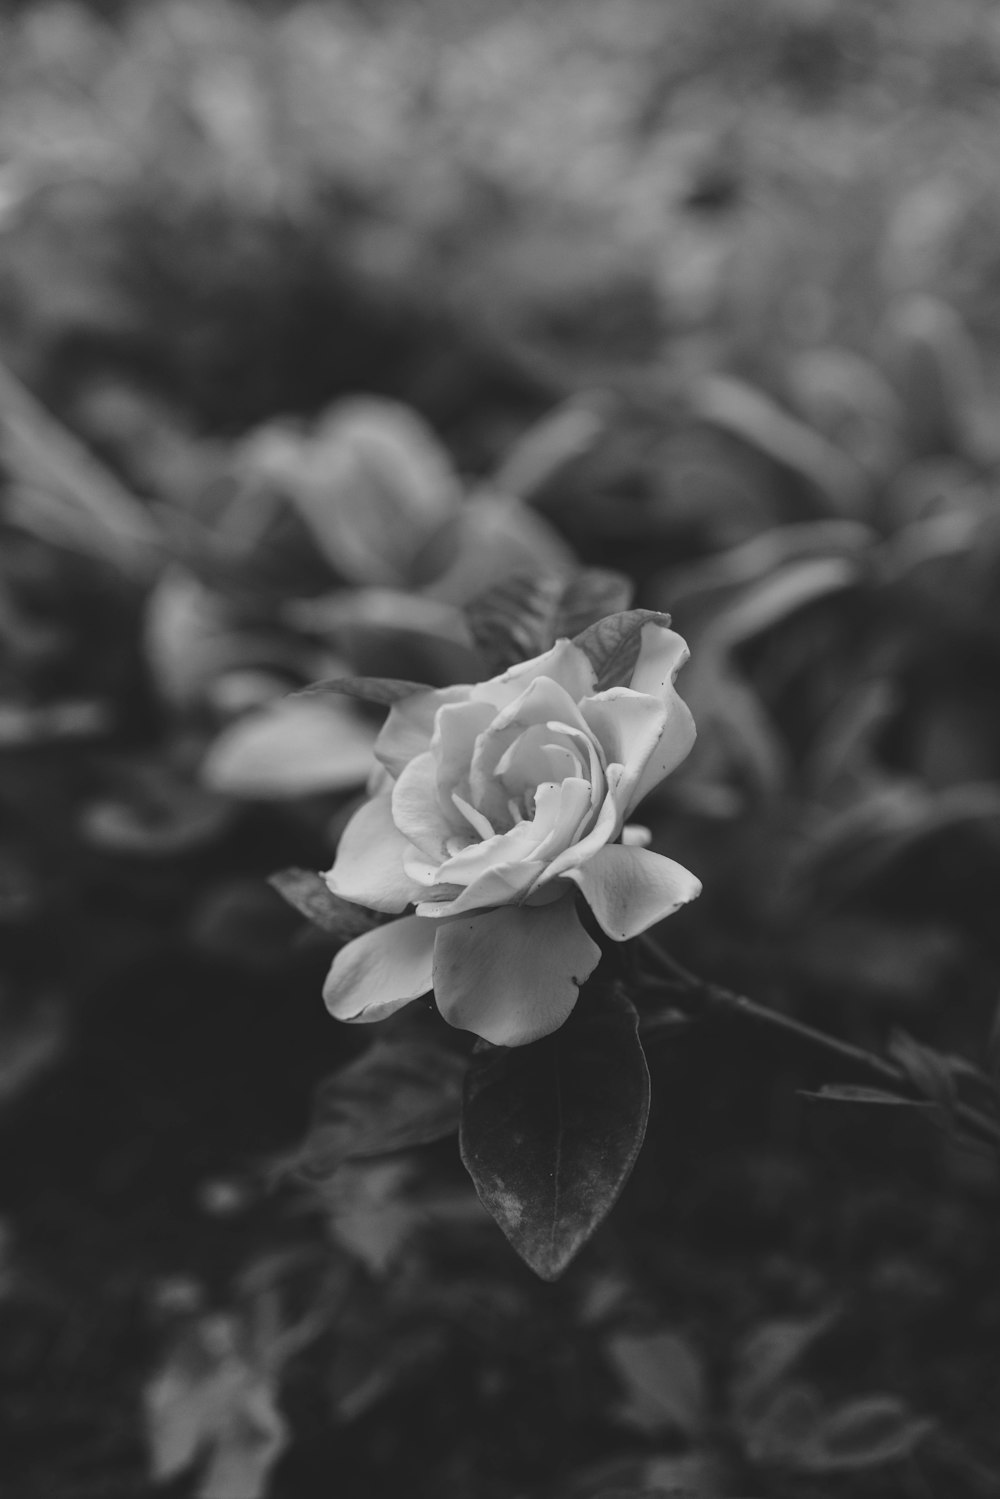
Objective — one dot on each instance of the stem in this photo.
(714, 998)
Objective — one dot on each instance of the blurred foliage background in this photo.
(319, 324)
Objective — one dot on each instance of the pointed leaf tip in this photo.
(551, 1131)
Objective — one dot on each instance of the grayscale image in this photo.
(499, 749)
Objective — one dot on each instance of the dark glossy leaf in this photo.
(864, 1434)
(515, 620)
(402, 1092)
(381, 690)
(551, 1131)
(308, 893)
(613, 644)
(592, 595)
(525, 616)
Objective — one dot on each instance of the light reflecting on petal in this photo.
(560, 814)
(662, 653)
(630, 889)
(628, 725)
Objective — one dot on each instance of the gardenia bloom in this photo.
(496, 805)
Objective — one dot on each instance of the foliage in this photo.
(350, 351)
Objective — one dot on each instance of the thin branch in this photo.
(707, 998)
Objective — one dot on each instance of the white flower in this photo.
(498, 804)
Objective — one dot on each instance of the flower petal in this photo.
(560, 812)
(409, 726)
(565, 664)
(630, 889)
(512, 975)
(629, 727)
(418, 813)
(368, 867)
(662, 653)
(634, 835)
(503, 885)
(661, 656)
(381, 971)
(541, 703)
(606, 827)
(503, 849)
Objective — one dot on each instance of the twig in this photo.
(713, 998)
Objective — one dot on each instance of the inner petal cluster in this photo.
(499, 794)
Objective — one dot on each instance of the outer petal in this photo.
(630, 889)
(512, 975)
(662, 653)
(629, 727)
(661, 656)
(368, 868)
(381, 971)
(456, 729)
(565, 664)
(409, 726)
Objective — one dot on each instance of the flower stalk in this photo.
(699, 998)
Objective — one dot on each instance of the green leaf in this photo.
(835, 482)
(768, 1356)
(154, 814)
(551, 1131)
(513, 621)
(402, 1092)
(525, 615)
(215, 1399)
(862, 1434)
(308, 893)
(664, 1382)
(852, 1093)
(294, 747)
(381, 690)
(612, 644)
(929, 1071)
(592, 595)
(937, 373)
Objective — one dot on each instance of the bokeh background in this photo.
(321, 324)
